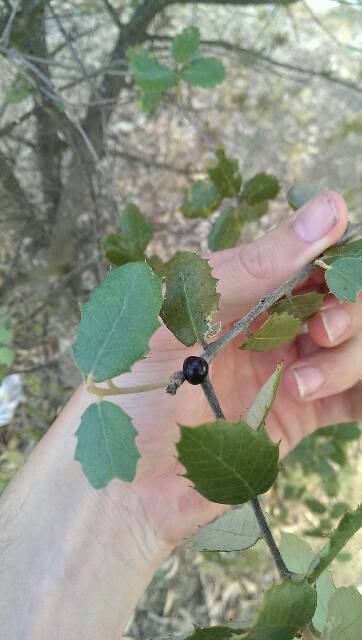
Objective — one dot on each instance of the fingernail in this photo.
(336, 321)
(315, 219)
(308, 380)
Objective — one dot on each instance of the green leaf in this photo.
(19, 91)
(225, 175)
(228, 462)
(186, 44)
(149, 101)
(6, 335)
(297, 555)
(302, 306)
(314, 505)
(285, 609)
(345, 431)
(344, 620)
(130, 245)
(215, 633)
(263, 402)
(261, 187)
(349, 250)
(348, 526)
(225, 231)
(201, 200)
(6, 356)
(118, 321)
(204, 72)
(250, 213)
(191, 298)
(344, 278)
(339, 509)
(300, 194)
(156, 264)
(151, 76)
(233, 531)
(115, 250)
(106, 444)
(136, 230)
(278, 329)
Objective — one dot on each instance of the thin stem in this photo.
(283, 570)
(269, 539)
(242, 325)
(113, 390)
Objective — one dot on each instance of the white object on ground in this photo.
(10, 396)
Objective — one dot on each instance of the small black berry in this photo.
(195, 369)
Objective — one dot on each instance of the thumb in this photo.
(252, 270)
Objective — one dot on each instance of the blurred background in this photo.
(76, 148)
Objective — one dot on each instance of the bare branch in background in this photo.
(5, 36)
(12, 186)
(113, 13)
(255, 56)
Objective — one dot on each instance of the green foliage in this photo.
(285, 609)
(263, 402)
(344, 620)
(349, 250)
(201, 200)
(205, 196)
(106, 444)
(348, 526)
(225, 175)
(7, 354)
(344, 278)
(214, 633)
(277, 330)
(300, 194)
(151, 77)
(154, 78)
(250, 213)
(186, 44)
(204, 72)
(156, 264)
(320, 456)
(131, 243)
(228, 462)
(19, 91)
(260, 188)
(225, 231)
(118, 321)
(302, 306)
(297, 554)
(315, 505)
(233, 531)
(191, 298)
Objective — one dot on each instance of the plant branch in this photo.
(243, 325)
(283, 570)
(113, 14)
(113, 390)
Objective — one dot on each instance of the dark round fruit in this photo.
(195, 369)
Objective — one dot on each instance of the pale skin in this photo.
(74, 561)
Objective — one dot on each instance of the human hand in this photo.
(320, 384)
